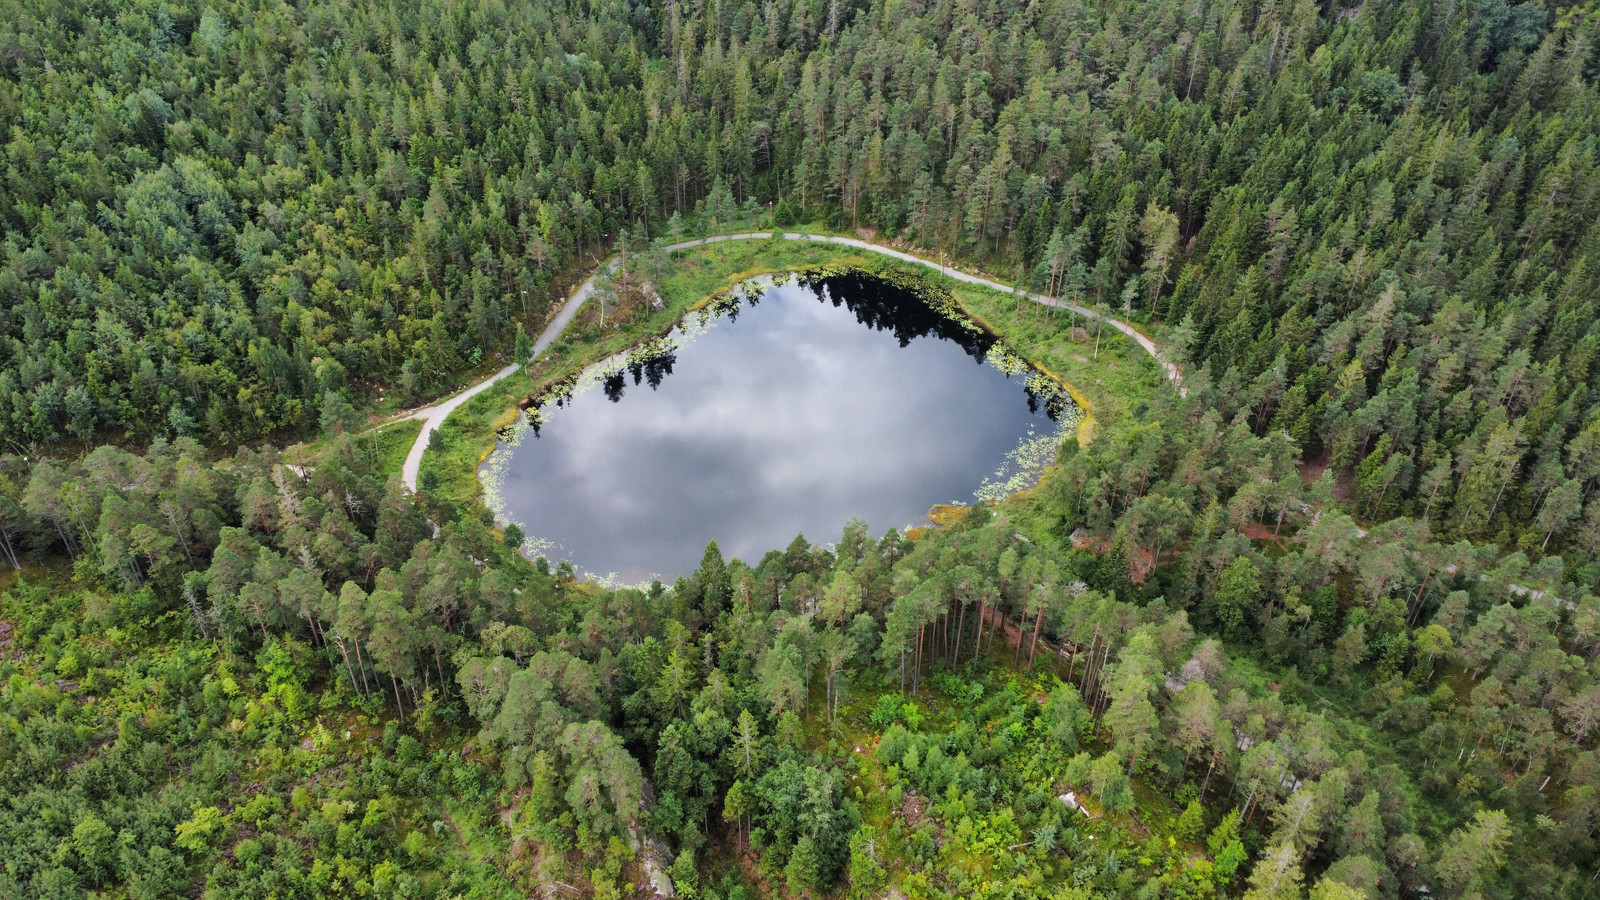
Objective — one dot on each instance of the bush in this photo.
(1192, 824)
(886, 711)
(893, 745)
(786, 213)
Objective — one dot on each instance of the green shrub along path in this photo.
(433, 416)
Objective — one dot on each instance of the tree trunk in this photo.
(961, 624)
(361, 664)
(349, 670)
(1083, 684)
(66, 540)
(1016, 649)
(177, 530)
(1033, 648)
(11, 553)
(1418, 600)
(916, 675)
(977, 642)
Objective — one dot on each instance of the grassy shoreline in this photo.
(1107, 388)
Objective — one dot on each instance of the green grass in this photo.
(701, 271)
(468, 436)
(1109, 385)
(391, 443)
(1109, 382)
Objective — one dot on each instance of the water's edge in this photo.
(1019, 470)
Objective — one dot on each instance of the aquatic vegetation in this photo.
(1024, 465)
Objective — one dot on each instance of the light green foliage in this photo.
(1238, 597)
(1110, 784)
(685, 876)
(1475, 850)
(195, 834)
(866, 873)
(1131, 716)
(93, 843)
(1276, 876)
(565, 697)
(1365, 235)
(1066, 718)
(1078, 769)
(1327, 889)
(164, 729)
(1191, 824)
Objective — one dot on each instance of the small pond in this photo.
(786, 408)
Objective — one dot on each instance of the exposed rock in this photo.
(1071, 799)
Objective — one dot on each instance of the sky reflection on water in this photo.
(787, 417)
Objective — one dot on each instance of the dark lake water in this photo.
(791, 411)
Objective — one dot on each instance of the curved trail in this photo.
(433, 416)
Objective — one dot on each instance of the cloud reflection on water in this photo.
(791, 419)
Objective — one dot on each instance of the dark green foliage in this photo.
(1369, 234)
(290, 594)
(513, 536)
(1375, 220)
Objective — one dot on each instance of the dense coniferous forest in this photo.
(1325, 624)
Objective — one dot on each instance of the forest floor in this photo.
(948, 702)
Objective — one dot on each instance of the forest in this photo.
(1324, 625)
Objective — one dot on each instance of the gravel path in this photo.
(433, 416)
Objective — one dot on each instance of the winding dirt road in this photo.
(433, 416)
